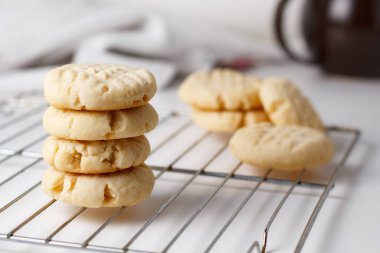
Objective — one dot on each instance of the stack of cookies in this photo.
(279, 128)
(223, 100)
(97, 148)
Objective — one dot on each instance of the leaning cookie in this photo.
(281, 147)
(122, 188)
(221, 89)
(98, 125)
(95, 156)
(286, 105)
(98, 87)
(227, 121)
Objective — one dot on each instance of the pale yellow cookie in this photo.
(226, 121)
(98, 87)
(95, 156)
(281, 147)
(122, 188)
(286, 105)
(221, 89)
(98, 125)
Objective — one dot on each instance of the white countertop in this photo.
(352, 219)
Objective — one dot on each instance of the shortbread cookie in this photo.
(286, 105)
(122, 188)
(98, 125)
(281, 147)
(95, 156)
(225, 121)
(221, 89)
(98, 87)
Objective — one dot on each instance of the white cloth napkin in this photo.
(50, 32)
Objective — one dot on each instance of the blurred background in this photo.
(173, 38)
(169, 37)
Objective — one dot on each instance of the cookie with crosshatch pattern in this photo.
(100, 125)
(98, 87)
(281, 147)
(286, 105)
(221, 89)
(95, 156)
(121, 188)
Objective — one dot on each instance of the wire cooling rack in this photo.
(197, 181)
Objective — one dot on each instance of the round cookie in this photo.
(227, 121)
(122, 188)
(98, 125)
(95, 156)
(286, 105)
(221, 89)
(281, 147)
(98, 87)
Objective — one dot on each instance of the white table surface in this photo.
(353, 218)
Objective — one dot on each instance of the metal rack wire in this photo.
(26, 128)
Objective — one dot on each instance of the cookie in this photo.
(286, 105)
(226, 121)
(95, 156)
(98, 125)
(221, 89)
(281, 147)
(98, 87)
(122, 188)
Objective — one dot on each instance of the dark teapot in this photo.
(343, 36)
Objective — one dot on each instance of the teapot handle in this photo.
(278, 25)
